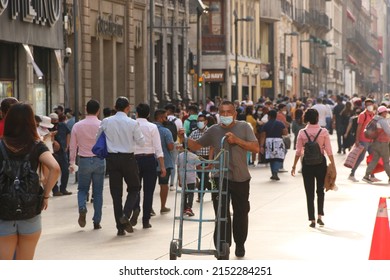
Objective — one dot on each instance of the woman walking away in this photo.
(312, 142)
(20, 230)
(271, 143)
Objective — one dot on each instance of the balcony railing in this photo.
(287, 8)
(302, 17)
(271, 9)
(213, 44)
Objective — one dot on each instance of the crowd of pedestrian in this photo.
(144, 149)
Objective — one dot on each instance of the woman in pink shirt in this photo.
(312, 173)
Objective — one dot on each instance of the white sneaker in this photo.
(352, 178)
(171, 188)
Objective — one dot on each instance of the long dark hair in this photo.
(20, 132)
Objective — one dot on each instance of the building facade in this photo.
(230, 32)
(31, 44)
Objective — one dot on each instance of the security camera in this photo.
(68, 52)
(201, 6)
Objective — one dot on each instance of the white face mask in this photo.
(284, 112)
(226, 120)
(200, 125)
(370, 108)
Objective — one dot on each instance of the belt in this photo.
(125, 154)
(87, 157)
(144, 155)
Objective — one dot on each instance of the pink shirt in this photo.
(323, 139)
(83, 137)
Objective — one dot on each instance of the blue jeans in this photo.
(91, 169)
(275, 165)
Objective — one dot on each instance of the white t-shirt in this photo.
(322, 112)
(189, 168)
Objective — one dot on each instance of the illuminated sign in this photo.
(41, 12)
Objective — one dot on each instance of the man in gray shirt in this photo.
(122, 133)
(240, 139)
(380, 146)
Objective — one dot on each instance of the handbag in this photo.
(353, 156)
(287, 141)
(100, 147)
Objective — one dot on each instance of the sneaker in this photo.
(189, 212)
(367, 179)
(171, 188)
(152, 213)
(164, 210)
(97, 226)
(352, 178)
(374, 179)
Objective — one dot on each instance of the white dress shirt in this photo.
(122, 133)
(152, 139)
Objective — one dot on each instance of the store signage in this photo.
(41, 12)
(109, 26)
(214, 75)
(266, 83)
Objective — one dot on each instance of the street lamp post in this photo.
(342, 60)
(300, 64)
(200, 10)
(284, 60)
(236, 20)
(326, 70)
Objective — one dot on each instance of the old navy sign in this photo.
(41, 12)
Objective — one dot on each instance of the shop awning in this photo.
(351, 16)
(351, 59)
(305, 70)
(31, 58)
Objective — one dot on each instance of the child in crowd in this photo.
(187, 169)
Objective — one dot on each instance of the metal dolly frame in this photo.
(222, 250)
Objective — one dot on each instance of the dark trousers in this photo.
(119, 167)
(313, 174)
(238, 193)
(189, 196)
(204, 178)
(62, 159)
(340, 133)
(147, 167)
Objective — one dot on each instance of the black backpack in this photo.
(193, 126)
(172, 128)
(21, 195)
(312, 154)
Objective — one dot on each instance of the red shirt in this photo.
(364, 118)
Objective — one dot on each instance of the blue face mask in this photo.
(226, 120)
(200, 125)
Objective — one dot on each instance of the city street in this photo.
(278, 225)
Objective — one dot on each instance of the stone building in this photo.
(31, 44)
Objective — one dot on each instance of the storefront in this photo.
(31, 40)
(214, 80)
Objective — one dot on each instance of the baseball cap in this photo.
(53, 116)
(382, 109)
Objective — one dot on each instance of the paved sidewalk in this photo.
(278, 225)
